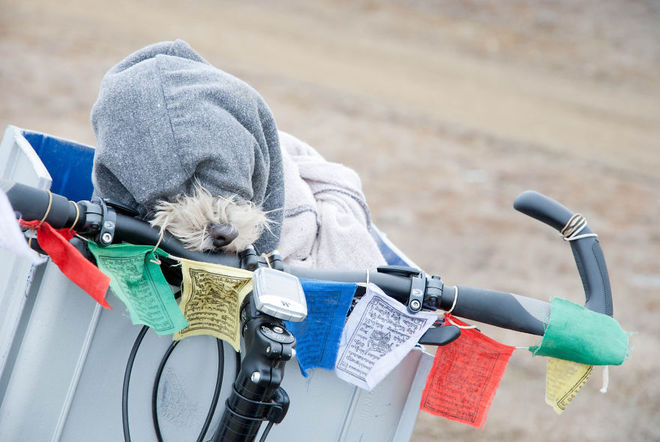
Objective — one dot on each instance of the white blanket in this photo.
(326, 217)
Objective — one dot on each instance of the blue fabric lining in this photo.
(69, 164)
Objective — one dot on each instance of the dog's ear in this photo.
(204, 222)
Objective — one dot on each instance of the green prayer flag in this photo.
(578, 334)
(139, 283)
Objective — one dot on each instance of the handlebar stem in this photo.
(256, 394)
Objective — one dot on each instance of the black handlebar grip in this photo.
(588, 255)
(32, 204)
(500, 309)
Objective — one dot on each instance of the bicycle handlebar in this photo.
(501, 309)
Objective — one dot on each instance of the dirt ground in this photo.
(447, 110)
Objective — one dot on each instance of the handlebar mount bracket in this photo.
(417, 284)
(108, 222)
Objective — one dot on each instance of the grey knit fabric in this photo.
(165, 117)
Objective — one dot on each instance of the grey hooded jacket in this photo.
(165, 117)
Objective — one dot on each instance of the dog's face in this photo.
(204, 222)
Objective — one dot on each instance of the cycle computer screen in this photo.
(279, 294)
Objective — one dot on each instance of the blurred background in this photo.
(447, 110)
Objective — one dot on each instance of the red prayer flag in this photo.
(70, 261)
(465, 375)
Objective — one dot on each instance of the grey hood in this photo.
(165, 118)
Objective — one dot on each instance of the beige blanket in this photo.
(326, 217)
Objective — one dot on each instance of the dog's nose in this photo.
(222, 234)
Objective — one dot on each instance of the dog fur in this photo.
(188, 218)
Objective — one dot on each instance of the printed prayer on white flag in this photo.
(378, 334)
(11, 237)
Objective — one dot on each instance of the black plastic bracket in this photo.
(417, 289)
(440, 335)
(275, 260)
(417, 284)
(251, 261)
(399, 270)
(278, 407)
(434, 287)
(106, 220)
(93, 215)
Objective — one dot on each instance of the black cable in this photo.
(154, 395)
(214, 400)
(127, 380)
(154, 390)
(238, 370)
(216, 393)
(266, 431)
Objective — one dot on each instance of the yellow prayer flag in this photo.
(211, 300)
(563, 380)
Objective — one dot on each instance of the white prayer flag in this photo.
(11, 237)
(378, 334)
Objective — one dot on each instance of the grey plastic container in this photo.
(62, 361)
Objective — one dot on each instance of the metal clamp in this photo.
(417, 289)
(417, 284)
(108, 223)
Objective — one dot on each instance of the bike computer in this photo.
(279, 294)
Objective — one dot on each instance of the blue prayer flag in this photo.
(319, 334)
